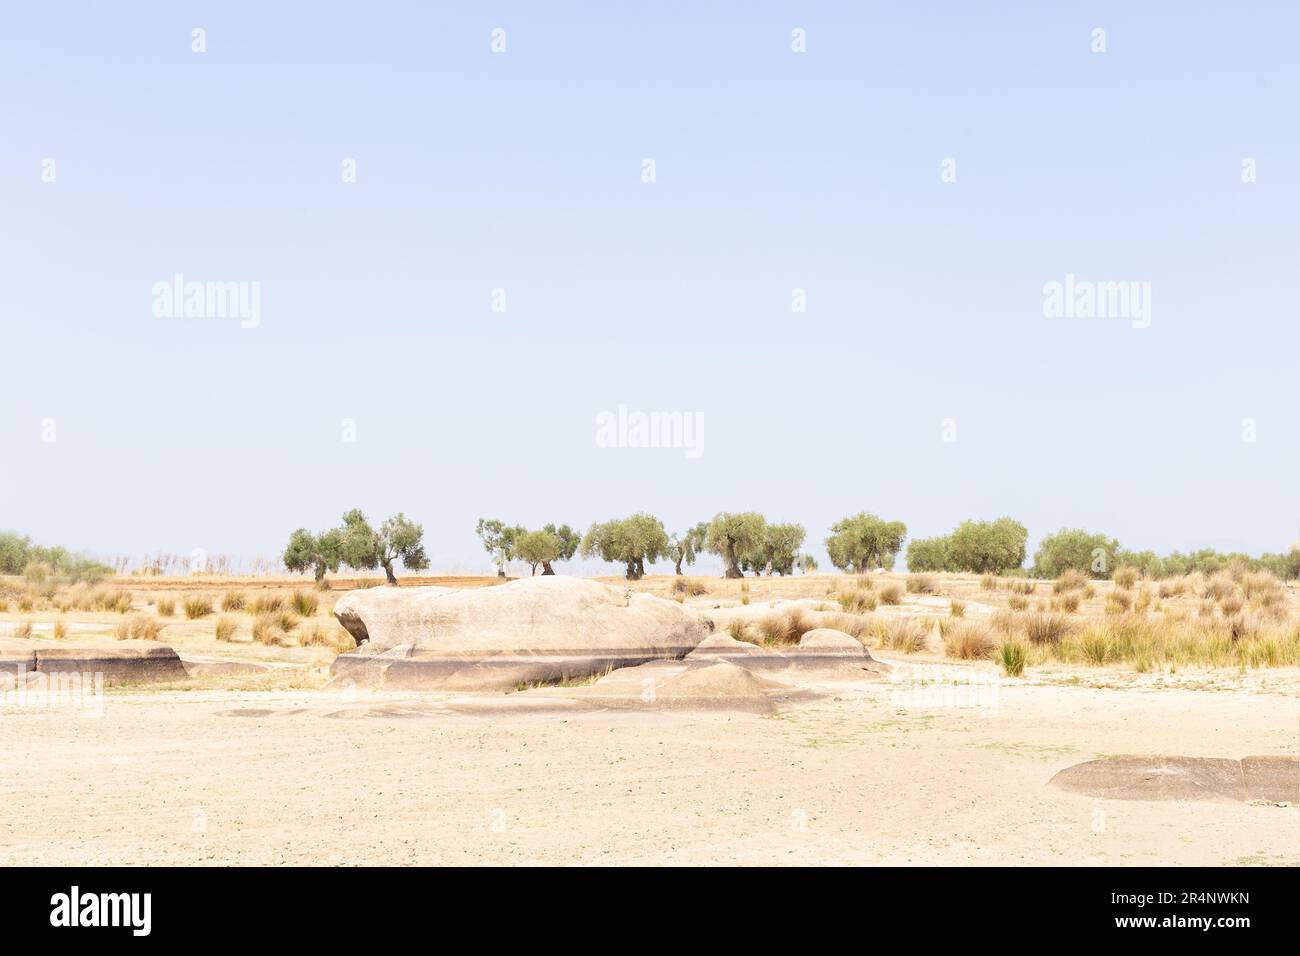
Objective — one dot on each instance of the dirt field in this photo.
(948, 762)
(875, 773)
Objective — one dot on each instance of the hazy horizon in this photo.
(840, 278)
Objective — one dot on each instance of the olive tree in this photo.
(536, 547)
(398, 538)
(568, 539)
(928, 554)
(498, 541)
(1077, 550)
(734, 537)
(320, 552)
(987, 546)
(807, 564)
(684, 548)
(776, 550)
(864, 541)
(630, 541)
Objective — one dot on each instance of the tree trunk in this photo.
(679, 565)
(547, 569)
(631, 571)
(501, 571)
(388, 572)
(640, 568)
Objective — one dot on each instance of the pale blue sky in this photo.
(522, 171)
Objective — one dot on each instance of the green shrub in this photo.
(1012, 655)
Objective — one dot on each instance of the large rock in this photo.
(534, 630)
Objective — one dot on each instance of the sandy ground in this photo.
(923, 769)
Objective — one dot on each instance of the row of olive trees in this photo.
(357, 544)
(747, 542)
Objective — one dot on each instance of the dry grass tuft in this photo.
(305, 603)
(902, 634)
(920, 583)
(778, 630)
(857, 602)
(225, 629)
(1045, 628)
(1119, 602)
(273, 629)
(197, 606)
(967, 641)
(1125, 578)
(691, 587)
(1069, 581)
(138, 628)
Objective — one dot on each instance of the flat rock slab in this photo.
(424, 670)
(127, 662)
(1271, 779)
(821, 652)
(22, 663)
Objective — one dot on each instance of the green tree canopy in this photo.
(928, 554)
(17, 552)
(776, 551)
(685, 547)
(985, 547)
(398, 538)
(498, 540)
(630, 541)
(535, 547)
(320, 552)
(735, 537)
(569, 541)
(864, 542)
(1073, 549)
